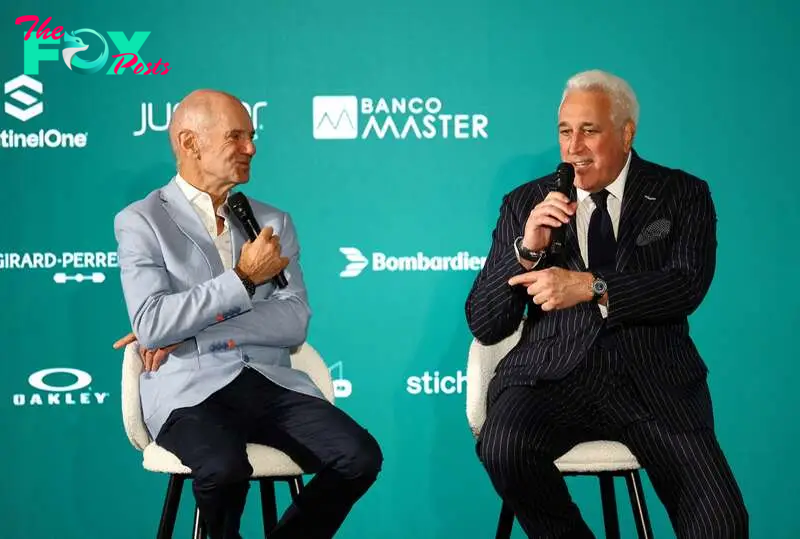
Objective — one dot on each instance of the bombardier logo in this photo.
(357, 262)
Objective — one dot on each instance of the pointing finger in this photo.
(525, 278)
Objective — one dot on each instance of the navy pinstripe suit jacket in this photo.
(659, 280)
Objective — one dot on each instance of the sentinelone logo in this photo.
(52, 393)
(15, 99)
(67, 262)
(357, 262)
(34, 105)
(337, 117)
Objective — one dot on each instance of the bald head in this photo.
(196, 113)
(211, 135)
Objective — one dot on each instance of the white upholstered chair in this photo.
(604, 459)
(269, 465)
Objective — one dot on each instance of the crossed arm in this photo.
(210, 311)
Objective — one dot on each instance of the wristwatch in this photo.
(525, 253)
(248, 284)
(599, 287)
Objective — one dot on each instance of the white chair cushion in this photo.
(600, 456)
(482, 360)
(266, 461)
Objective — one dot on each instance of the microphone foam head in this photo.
(565, 177)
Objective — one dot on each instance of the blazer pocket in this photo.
(657, 230)
(185, 355)
(542, 330)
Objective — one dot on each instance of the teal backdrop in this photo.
(717, 84)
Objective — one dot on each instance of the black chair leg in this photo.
(269, 507)
(640, 515)
(505, 522)
(610, 516)
(170, 511)
(296, 487)
(199, 531)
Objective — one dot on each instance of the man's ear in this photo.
(628, 134)
(189, 143)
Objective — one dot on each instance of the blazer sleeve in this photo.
(281, 319)
(678, 288)
(494, 309)
(160, 317)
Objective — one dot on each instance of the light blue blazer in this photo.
(177, 291)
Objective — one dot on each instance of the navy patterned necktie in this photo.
(602, 243)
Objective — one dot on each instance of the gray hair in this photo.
(624, 105)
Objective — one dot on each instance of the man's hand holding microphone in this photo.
(261, 258)
(555, 287)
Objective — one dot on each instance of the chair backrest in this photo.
(307, 359)
(132, 418)
(481, 363)
(304, 358)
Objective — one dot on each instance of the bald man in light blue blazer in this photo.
(216, 333)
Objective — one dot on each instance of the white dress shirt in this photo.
(201, 202)
(584, 214)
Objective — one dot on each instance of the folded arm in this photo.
(676, 290)
(281, 319)
(160, 317)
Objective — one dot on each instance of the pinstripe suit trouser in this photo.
(527, 428)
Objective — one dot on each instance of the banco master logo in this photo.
(58, 387)
(69, 267)
(342, 117)
(15, 97)
(378, 261)
(156, 117)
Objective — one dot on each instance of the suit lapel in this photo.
(640, 200)
(181, 212)
(237, 236)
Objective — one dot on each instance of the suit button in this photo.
(246, 358)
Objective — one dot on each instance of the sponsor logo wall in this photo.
(390, 136)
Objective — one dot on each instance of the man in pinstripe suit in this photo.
(605, 351)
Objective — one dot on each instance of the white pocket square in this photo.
(654, 231)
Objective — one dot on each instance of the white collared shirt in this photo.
(584, 214)
(201, 202)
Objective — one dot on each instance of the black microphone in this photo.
(240, 207)
(565, 177)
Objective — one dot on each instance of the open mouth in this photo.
(586, 163)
